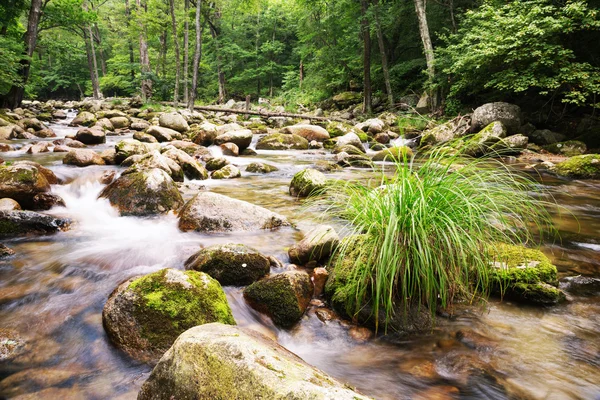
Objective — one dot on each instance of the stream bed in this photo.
(53, 290)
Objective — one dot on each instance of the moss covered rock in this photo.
(307, 182)
(84, 118)
(281, 141)
(216, 163)
(230, 264)
(569, 148)
(284, 297)
(524, 275)
(21, 182)
(153, 160)
(227, 172)
(317, 244)
(191, 168)
(146, 192)
(216, 361)
(580, 167)
(346, 99)
(163, 134)
(261, 168)
(129, 147)
(482, 142)
(143, 316)
(398, 153)
(337, 129)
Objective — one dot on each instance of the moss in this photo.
(280, 141)
(261, 168)
(307, 182)
(166, 309)
(393, 153)
(569, 148)
(257, 127)
(585, 166)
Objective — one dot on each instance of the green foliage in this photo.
(426, 232)
(522, 46)
(10, 54)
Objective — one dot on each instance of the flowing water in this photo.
(53, 290)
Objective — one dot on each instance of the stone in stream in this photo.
(261, 168)
(230, 149)
(241, 138)
(163, 134)
(188, 147)
(349, 139)
(399, 153)
(581, 285)
(508, 114)
(216, 163)
(39, 147)
(120, 122)
(217, 361)
(317, 244)
(580, 167)
(230, 264)
(483, 142)
(227, 172)
(5, 252)
(91, 136)
(128, 147)
(144, 315)
(45, 133)
(84, 118)
(192, 169)
(284, 297)
(83, 158)
(104, 124)
(282, 141)
(147, 192)
(337, 129)
(29, 223)
(212, 212)
(45, 201)
(76, 144)
(372, 126)
(308, 132)
(307, 182)
(144, 137)
(21, 182)
(204, 134)
(174, 121)
(7, 204)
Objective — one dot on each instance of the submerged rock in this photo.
(307, 182)
(216, 361)
(144, 315)
(212, 212)
(580, 167)
(230, 264)
(284, 297)
(282, 141)
(317, 244)
(145, 192)
(26, 223)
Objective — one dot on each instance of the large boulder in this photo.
(153, 160)
(163, 134)
(25, 223)
(191, 168)
(350, 139)
(145, 192)
(83, 158)
(120, 122)
(204, 134)
(444, 133)
(282, 141)
(47, 173)
(372, 126)
(230, 264)
(482, 142)
(84, 118)
(308, 132)
(569, 148)
(217, 361)
(241, 138)
(307, 182)
(129, 147)
(284, 297)
(317, 244)
(21, 182)
(144, 315)
(212, 212)
(174, 121)
(508, 114)
(544, 137)
(580, 167)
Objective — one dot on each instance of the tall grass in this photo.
(429, 230)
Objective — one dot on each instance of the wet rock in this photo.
(261, 168)
(7, 204)
(128, 147)
(508, 114)
(392, 154)
(230, 149)
(372, 126)
(192, 169)
(581, 285)
(84, 118)
(580, 167)
(45, 133)
(307, 182)
(20, 382)
(90, 136)
(120, 122)
(139, 125)
(107, 177)
(221, 361)
(360, 333)
(47, 173)
(144, 137)
(227, 172)
(76, 144)
(5, 252)
(524, 275)
(103, 124)
(188, 147)
(39, 147)
(11, 344)
(143, 316)
(241, 138)
(230, 264)
(284, 297)
(45, 201)
(216, 163)
(83, 158)
(281, 141)
(29, 223)
(204, 134)
(569, 148)
(109, 156)
(59, 114)
(174, 121)
(163, 134)
(483, 142)
(5, 147)
(308, 132)
(317, 244)
(382, 138)
(350, 139)
(145, 192)
(545, 137)
(319, 278)
(212, 212)
(21, 182)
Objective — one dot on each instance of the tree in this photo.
(177, 58)
(197, 56)
(420, 8)
(146, 88)
(366, 33)
(384, 61)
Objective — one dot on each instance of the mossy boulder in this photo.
(227, 172)
(217, 361)
(580, 167)
(346, 99)
(392, 154)
(569, 148)
(90, 136)
(28, 223)
(307, 131)
(524, 275)
(145, 192)
(337, 129)
(129, 147)
(216, 163)
(261, 168)
(192, 169)
(84, 118)
(317, 244)
(307, 182)
(83, 158)
(153, 160)
(144, 315)
(284, 297)
(282, 141)
(212, 212)
(230, 264)
(482, 142)
(21, 182)
(443, 133)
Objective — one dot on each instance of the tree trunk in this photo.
(256, 50)
(91, 59)
(101, 54)
(366, 33)
(130, 45)
(427, 46)
(146, 88)
(186, 34)
(197, 56)
(214, 31)
(384, 61)
(14, 97)
(177, 62)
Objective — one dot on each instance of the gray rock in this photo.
(241, 138)
(508, 114)
(192, 169)
(174, 121)
(163, 134)
(317, 244)
(545, 137)
(90, 136)
(350, 139)
(26, 223)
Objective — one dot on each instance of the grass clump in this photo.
(427, 232)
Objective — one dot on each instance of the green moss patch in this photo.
(580, 167)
